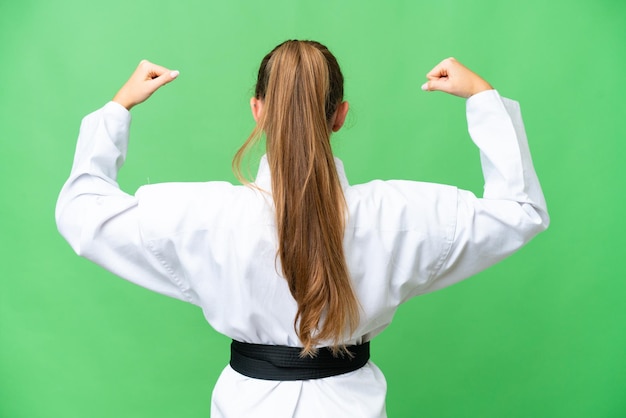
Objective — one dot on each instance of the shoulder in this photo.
(169, 208)
(186, 190)
(402, 204)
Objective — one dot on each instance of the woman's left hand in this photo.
(146, 79)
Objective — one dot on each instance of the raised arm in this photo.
(98, 219)
(512, 209)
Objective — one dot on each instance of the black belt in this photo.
(277, 362)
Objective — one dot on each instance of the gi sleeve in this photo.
(100, 221)
(512, 210)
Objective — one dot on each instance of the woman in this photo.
(300, 259)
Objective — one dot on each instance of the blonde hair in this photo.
(302, 85)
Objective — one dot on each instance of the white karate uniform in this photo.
(214, 244)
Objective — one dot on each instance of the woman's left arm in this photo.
(512, 209)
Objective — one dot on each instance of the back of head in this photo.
(301, 86)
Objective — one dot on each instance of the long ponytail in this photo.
(301, 85)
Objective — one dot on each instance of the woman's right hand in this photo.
(450, 76)
(146, 79)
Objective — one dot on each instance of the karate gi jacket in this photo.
(214, 244)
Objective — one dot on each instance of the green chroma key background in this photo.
(543, 334)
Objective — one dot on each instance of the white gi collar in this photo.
(264, 179)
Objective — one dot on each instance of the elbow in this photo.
(68, 224)
(546, 221)
(70, 232)
(538, 219)
(58, 214)
(544, 218)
